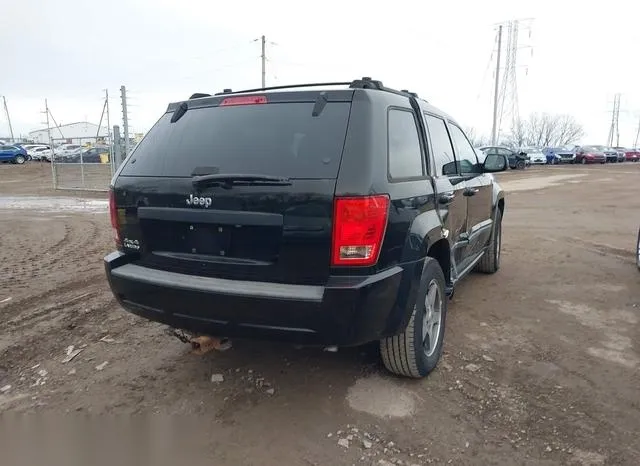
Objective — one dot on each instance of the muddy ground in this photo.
(541, 363)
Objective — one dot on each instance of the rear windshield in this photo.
(279, 139)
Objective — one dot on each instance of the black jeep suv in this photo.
(327, 214)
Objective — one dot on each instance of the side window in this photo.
(441, 145)
(405, 152)
(465, 154)
(504, 152)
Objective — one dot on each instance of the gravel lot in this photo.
(541, 363)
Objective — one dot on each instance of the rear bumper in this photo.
(346, 311)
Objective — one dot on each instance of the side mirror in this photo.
(494, 163)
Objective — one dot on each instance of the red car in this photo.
(589, 154)
(630, 155)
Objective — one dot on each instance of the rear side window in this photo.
(279, 139)
(441, 145)
(405, 151)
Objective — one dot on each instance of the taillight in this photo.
(113, 214)
(244, 100)
(359, 224)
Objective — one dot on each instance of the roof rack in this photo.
(363, 83)
(291, 86)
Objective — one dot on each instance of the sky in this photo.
(573, 58)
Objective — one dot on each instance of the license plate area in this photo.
(261, 243)
(211, 240)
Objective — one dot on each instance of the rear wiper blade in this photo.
(229, 180)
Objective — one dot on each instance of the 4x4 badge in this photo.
(201, 201)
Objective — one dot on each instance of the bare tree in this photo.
(546, 130)
(475, 139)
(518, 135)
(569, 131)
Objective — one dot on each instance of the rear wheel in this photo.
(638, 251)
(19, 159)
(416, 351)
(490, 262)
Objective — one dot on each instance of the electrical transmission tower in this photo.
(507, 106)
(614, 130)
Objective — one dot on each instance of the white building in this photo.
(81, 132)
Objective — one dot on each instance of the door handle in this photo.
(446, 198)
(470, 191)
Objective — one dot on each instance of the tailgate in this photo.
(237, 224)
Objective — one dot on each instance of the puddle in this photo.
(537, 182)
(54, 204)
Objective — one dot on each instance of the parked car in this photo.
(516, 160)
(589, 154)
(552, 156)
(335, 216)
(93, 155)
(42, 154)
(621, 153)
(535, 155)
(610, 154)
(66, 150)
(13, 154)
(35, 151)
(631, 155)
(567, 154)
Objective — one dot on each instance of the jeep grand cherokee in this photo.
(328, 214)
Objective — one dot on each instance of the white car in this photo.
(41, 153)
(536, 157)
(66, 150)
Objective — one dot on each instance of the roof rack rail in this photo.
(368, 83)
(291, 86)
(363, 83)
(197, 95)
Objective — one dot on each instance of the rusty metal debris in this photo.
(203, 344)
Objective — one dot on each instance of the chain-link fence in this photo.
(82, 163)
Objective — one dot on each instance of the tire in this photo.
(490, 262)
(520, 165)
(19, 159)
(405, 354)
(638, 251)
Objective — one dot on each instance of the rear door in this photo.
(478, 192)
(6, 153)
(450, 186)
(242, 191)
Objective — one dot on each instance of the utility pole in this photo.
(6, 110)
(53, 165)
(494, 133)
(109, 140)
(125, 120)
(263, 56)
(635, 144)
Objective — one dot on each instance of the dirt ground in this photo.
(541, 363)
